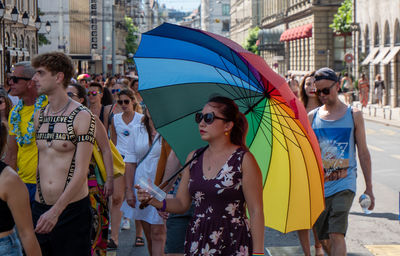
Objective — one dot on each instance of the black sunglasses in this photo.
(115, 90)
(326, 90)
(71, 94)
(208, 118)
(15, 79)
(120, 102)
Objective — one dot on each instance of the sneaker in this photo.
(126, 224)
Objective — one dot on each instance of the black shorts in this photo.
(71, 235)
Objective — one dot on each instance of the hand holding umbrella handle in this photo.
(165, 183)
(145, 203)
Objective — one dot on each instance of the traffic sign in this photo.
(348, 58)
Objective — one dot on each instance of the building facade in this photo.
(77, 30)
(378, 45)
(245, 14)
(18, 40)
(216, 16)
(308, 42)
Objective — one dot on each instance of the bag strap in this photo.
(148, 151)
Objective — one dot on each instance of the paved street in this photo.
(374, 234)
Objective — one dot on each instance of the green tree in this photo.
(251, 40)
(131, 39)
(343, 18)
(42, 39)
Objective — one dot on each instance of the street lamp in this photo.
(38, 23)
(14, 14)
(48, 27)
(25, 19)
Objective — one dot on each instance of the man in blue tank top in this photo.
(339, 130)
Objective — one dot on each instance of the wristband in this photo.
(257, 253)
(164, 206)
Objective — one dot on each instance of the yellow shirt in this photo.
(27, 157)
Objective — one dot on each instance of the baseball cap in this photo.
(325, 73)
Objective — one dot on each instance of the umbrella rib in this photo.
(307, 171)
(290, 179)
(270, 130)
(215, 67)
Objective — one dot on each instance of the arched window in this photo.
(387, 34)
(14, 40)
(27, 43)
(376, 35)
(33, 52)
(367, 40)
(396, 33)
(21, 42)
(7, 40)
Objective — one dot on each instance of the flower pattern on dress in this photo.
(218, 225)
(207, 251)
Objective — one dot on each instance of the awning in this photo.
(370, 56)
(297, 33)
(20, 53)
(12, 52)
(26, 53)
(391, 55)
(382, 53)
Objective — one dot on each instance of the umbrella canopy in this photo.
(181, 68)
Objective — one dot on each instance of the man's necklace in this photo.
(52, 123)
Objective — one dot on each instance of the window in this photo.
(376, 35)
(225, 25)
(226, 10)
(397, 34)
(367, 40)
(387, 34)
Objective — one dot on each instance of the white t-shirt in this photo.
(124, 132)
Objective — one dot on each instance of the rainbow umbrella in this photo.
(180, 68)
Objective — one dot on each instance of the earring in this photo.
(226, 133)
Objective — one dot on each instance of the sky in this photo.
(184, 5)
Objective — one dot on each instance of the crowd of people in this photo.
(56, 199)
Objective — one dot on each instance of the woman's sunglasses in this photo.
(326, 90)
(71, 94)
(113, 91)
(208, 117)
(93, 93)
(126, 102)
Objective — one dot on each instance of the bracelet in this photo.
(164, 206)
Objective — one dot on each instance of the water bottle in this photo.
(153, 190)
(365, 203)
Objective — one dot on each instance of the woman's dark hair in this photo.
(302, 91)
(107, 97)
(3, 137)
(81, 93)
(9, 105)
(230, 111)
(94, 84)
(146, 122)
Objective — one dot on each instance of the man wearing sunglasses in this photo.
(339, 129)
(21, 151)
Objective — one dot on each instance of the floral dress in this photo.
(219, 225)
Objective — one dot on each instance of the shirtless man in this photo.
(64, 137)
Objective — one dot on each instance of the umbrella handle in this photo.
(144, 204)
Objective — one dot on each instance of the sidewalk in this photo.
(385, 114)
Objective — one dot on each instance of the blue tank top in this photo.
(336, 141)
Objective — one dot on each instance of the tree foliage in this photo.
(131, 39)
(343, 18)
(251, 40)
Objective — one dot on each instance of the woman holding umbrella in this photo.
(222, 179)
